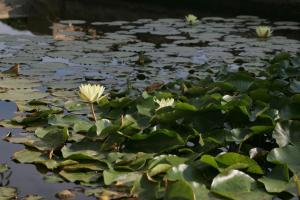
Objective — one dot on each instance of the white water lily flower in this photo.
(91, 93)
(264, 31)
(164, 102)
(191, 19)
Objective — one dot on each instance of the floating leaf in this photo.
(179, 190)
(121, 178)
(33, 197)
(86, 177)
(232, 160)
(145, 189)
(237, 185)
(168, 140)
(82, 126)
(65, 194)
(83, 150)
(287, 132)
(286, 155)
(277, 180)
(56, 138)
(28, 156)
(7, 193)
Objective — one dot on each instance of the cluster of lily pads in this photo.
(261, 31)
(141, 51)
(230, 136)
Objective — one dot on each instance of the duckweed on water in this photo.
(233, 135)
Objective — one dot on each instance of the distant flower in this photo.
(164, 102)
(91, 93)
(191, 19)
(264, 31)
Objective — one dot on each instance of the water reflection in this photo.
(69, 31)
(14, 8)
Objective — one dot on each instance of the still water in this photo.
(103, 42)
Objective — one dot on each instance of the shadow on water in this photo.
(25, 177)
(135, 9)
(43, 13)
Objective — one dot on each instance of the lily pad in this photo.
(237, 185)
(7, 193)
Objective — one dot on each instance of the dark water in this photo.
(43, 13)
(25, 177)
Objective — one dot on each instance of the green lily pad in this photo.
(232, 160)
(86, 177)
(145, 189)
(7, 193)
(179, 190)
(82, 150)
(286, 155)
(33, 197)
(120, 177)
(277, 181)
(21, 95)
(168, 140)
(36, 157)
(287, 132)
(237, 185)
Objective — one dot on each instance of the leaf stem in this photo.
(51, 154)
(296, 180)
(93, 111)
(240, 146)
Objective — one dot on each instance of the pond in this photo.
(137, 52)
(56, 56)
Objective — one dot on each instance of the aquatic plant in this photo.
(232, 135)
(191, 19)
(264, 31)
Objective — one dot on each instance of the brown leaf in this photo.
(13, 70)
